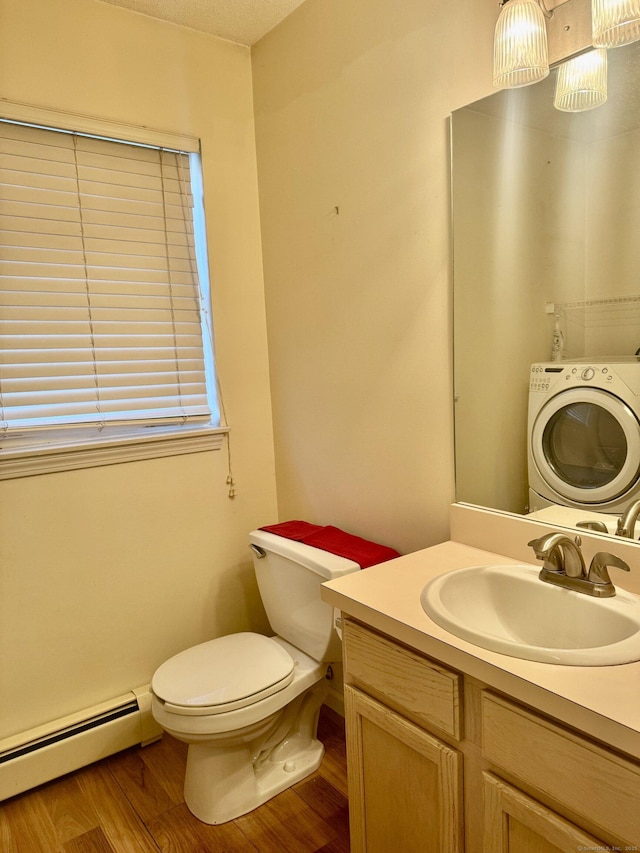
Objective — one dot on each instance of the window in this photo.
(105, 335)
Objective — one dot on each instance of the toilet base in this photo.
(222, 783)
(215, 807)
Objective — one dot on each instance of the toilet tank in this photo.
(289, 576)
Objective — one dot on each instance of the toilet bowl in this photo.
(245, 750)
(246, 704)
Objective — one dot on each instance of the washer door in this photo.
(586, 445)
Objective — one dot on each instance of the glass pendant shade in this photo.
(582, 82)
(520, 55)
(615, 22)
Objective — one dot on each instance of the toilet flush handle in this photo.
(258, 551)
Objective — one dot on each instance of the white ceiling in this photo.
(242, 21)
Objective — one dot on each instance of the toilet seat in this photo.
(223, 675)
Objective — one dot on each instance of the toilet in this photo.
(247, 704)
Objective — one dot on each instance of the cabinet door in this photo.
(514, 823)
(590, 781)
(405, 790)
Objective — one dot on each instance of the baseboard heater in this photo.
(69, 743)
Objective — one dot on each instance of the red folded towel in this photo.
(292, 529)
(336, 541)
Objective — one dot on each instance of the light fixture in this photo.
(582, 82)
(520, 54)
(615, 22)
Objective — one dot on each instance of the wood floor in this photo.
(132, 802)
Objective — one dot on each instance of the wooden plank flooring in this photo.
(133, 802)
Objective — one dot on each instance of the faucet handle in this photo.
(600, 526)
(560, 553)
(552, 555)
(621, 530)
(598, 571)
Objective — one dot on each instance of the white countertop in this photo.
(602, 702)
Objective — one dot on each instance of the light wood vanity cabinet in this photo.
(437, 762)
(598, 787)
(405, 786)
(516, 823)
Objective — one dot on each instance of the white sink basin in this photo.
(508, 609)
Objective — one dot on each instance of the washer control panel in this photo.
(545, 376)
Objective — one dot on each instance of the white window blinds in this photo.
(101, 317)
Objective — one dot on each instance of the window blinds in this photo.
(100, 303)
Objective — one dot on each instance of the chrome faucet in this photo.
(564, 565)
(627, 522)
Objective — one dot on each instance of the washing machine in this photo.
(584, 435)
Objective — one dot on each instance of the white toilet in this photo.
(247, 704)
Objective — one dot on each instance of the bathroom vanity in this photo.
(454, 748)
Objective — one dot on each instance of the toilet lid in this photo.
(224, 674)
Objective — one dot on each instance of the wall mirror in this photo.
(546, 239)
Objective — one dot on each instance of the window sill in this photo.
(28, 462)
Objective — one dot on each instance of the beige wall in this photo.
(612, 222)
(613, 216)
(105, 572)
(352, 99)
